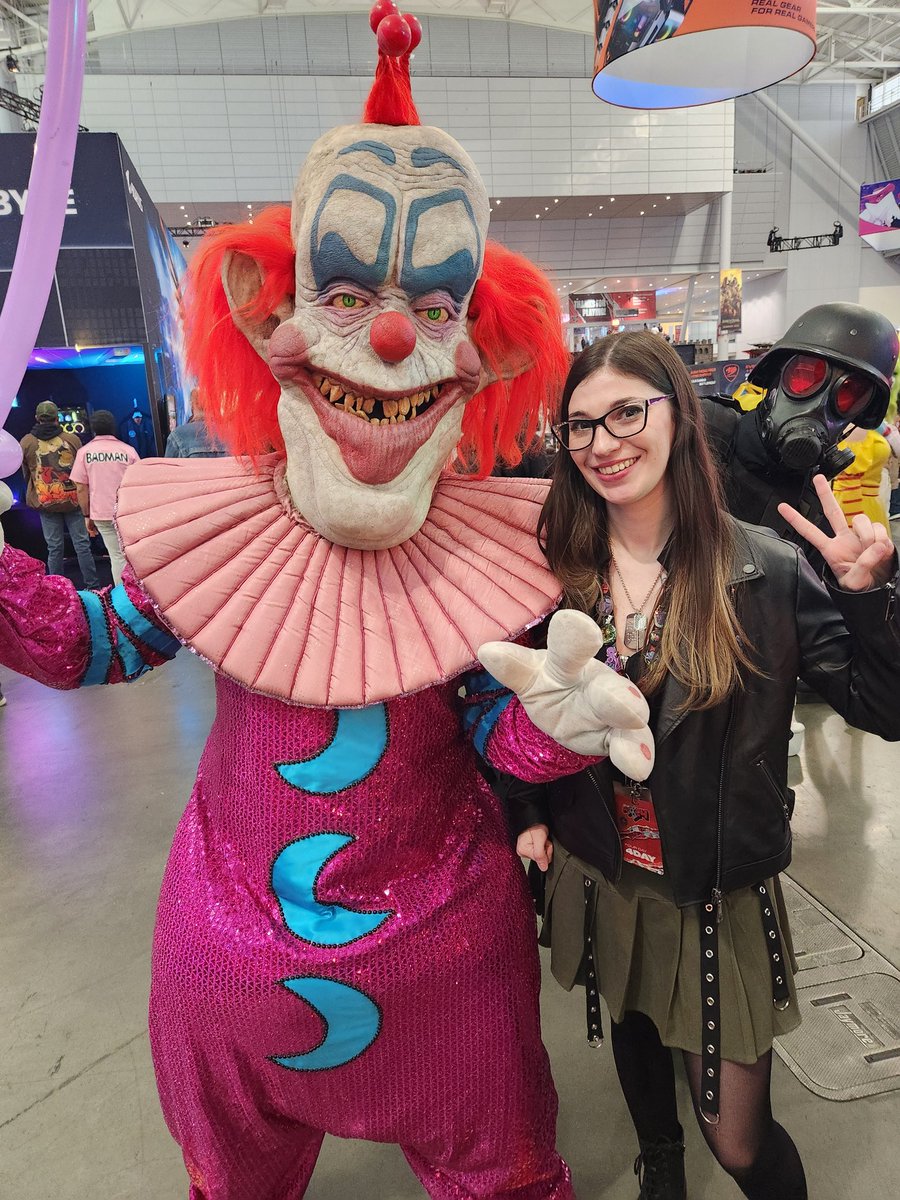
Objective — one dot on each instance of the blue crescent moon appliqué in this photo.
(357, 747)
(294, 875)
(352, 1022)
(352, 1019)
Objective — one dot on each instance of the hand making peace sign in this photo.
(860, 557)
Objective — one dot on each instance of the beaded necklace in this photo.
(607, 622)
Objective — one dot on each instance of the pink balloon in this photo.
(48, 192)
(10, 454)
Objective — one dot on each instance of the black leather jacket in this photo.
(719, 784)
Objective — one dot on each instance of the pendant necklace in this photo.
(635, 622)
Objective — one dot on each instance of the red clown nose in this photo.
(392, 337)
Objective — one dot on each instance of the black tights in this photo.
(753, 1148)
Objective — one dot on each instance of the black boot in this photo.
(660, 1170)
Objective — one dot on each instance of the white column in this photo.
(688, 310)
(725, 208)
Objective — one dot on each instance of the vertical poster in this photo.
(730, 300)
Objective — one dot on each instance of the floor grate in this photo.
(848, 1045)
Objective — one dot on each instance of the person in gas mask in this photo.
(830, 372)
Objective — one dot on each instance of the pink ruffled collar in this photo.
(242, 579)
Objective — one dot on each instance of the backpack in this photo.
(53, 489)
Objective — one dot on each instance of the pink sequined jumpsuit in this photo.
(344, 942)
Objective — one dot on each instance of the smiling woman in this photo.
(656, 475)
(663, 889)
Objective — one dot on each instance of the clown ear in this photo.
(242, 279)
(239, 285)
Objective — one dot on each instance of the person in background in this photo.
(663, 896)
(858, 489)
(193, 440)
(97, 473)
(892, 418)
(49, 454)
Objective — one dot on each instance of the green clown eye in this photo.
(438, 315)
(346, 300)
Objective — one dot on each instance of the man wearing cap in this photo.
(49, 454)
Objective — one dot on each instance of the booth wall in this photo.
(763, 316)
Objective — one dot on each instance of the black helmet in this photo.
(844, 333)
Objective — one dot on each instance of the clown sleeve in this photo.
(66, 638)
(506, 738)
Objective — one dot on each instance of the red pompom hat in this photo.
(390, 101)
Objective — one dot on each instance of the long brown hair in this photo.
(702, 642)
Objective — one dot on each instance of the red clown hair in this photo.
(513, 323)
(238, 393)
(513, 314)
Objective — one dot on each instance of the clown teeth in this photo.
(395, 411)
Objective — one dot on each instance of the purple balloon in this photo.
(10, 454)
(48, 193)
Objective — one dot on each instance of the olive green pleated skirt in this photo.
(647, 956)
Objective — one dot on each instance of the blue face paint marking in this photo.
(357, 747)
(294, 875)
(427, 156)
(379, 149)
(332, 259)
(352, 1023)
(456, 274)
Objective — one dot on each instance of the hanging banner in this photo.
(594, 307)
(879, 214)
(677, 53)
(731, 294)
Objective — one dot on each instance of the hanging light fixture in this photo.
(676, 53)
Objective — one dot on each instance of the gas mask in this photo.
(831, 370)
(805, 416)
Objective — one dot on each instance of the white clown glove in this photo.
(580, 702)
(6, 500)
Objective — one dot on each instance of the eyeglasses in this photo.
(622, 422)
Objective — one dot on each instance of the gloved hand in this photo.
(6, 500)
(580, 702)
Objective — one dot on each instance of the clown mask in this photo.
(375, 363)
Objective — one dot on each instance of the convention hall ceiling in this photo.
(858, 39)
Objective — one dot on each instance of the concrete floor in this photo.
(91, 787)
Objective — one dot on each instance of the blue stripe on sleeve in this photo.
(488, 720)
(158, 639)
(132, 663)
(101, 648)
